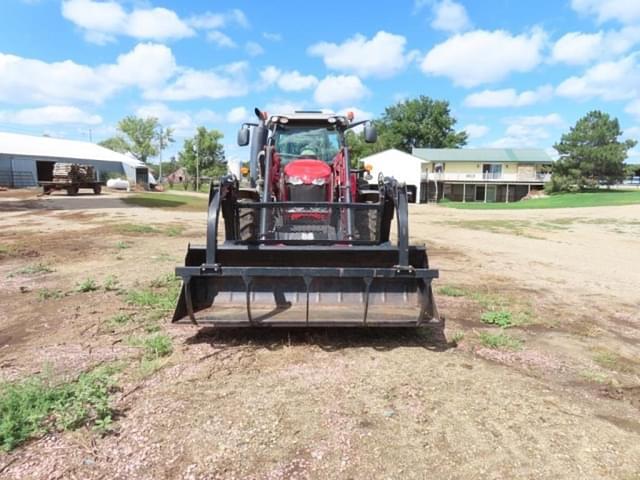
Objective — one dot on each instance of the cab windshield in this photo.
(305, 142)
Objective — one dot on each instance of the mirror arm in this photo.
(357, 124)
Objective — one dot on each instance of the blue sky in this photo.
(517, 74)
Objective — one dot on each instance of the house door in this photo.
(491, 193)
(479, 193)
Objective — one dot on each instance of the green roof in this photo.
(523, 155)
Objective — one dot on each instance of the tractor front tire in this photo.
(248, 221)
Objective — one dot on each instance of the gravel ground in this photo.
(340, 404)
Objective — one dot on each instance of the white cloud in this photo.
(294, 81)
(450, 17)
(624, 11)
(146, 65)
(577, 48)
(213, 21)
(180, 122)
(49, 115)
(481, 56)
(220, 39)
(339, 89)
(632, 132)
(157, 23)
(291, 81)
(530, 131)
(538, 120)
(270, 75)
(633, 108)
(253, 49)
(283, 106)
(358, 113)
(382, 56)
(222, 82)
(103, 21)
(237, 115)
(272, 37)
(508, 97)
(24, 80)
(475, 130)
(615, 80)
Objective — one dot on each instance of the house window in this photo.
(491, 171)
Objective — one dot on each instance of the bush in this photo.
(39, 405)
(499, 340)
(501, 318)
(157, 346)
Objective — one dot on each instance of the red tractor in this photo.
(307, 237)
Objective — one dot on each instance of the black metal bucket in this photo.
(306, 286)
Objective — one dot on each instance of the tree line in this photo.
(145, 138)
(591, 152)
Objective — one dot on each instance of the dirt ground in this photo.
(339, 404)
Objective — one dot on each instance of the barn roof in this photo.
(34, 146)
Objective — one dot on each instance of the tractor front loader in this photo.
(306, 237)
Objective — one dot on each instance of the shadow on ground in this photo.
(429, 337)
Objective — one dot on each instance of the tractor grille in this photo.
(307, 193)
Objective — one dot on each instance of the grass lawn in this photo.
(168, 200)
(564, 200)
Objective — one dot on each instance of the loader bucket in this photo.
(306, 286)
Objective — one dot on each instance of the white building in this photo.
(26, 159)
(403, 167)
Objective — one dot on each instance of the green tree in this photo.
(117, 144)
(359, 149)
(136, 135)
(203, 154)
(591, 154)
(164, 136)
(421, 123)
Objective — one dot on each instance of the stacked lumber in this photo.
(73, 173)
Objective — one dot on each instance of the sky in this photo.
(516, 74)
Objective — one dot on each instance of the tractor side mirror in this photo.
(370, 134)
(243, 136)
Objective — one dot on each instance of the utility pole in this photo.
(197, 165)
(161, 148)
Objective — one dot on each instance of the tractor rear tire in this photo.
(97, 189)
(72, 191)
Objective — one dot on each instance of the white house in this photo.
(465, 174)
(26, 159)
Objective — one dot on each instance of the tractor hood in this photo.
(307, 170)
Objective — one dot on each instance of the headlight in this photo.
(294, 180)
(319, 181)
